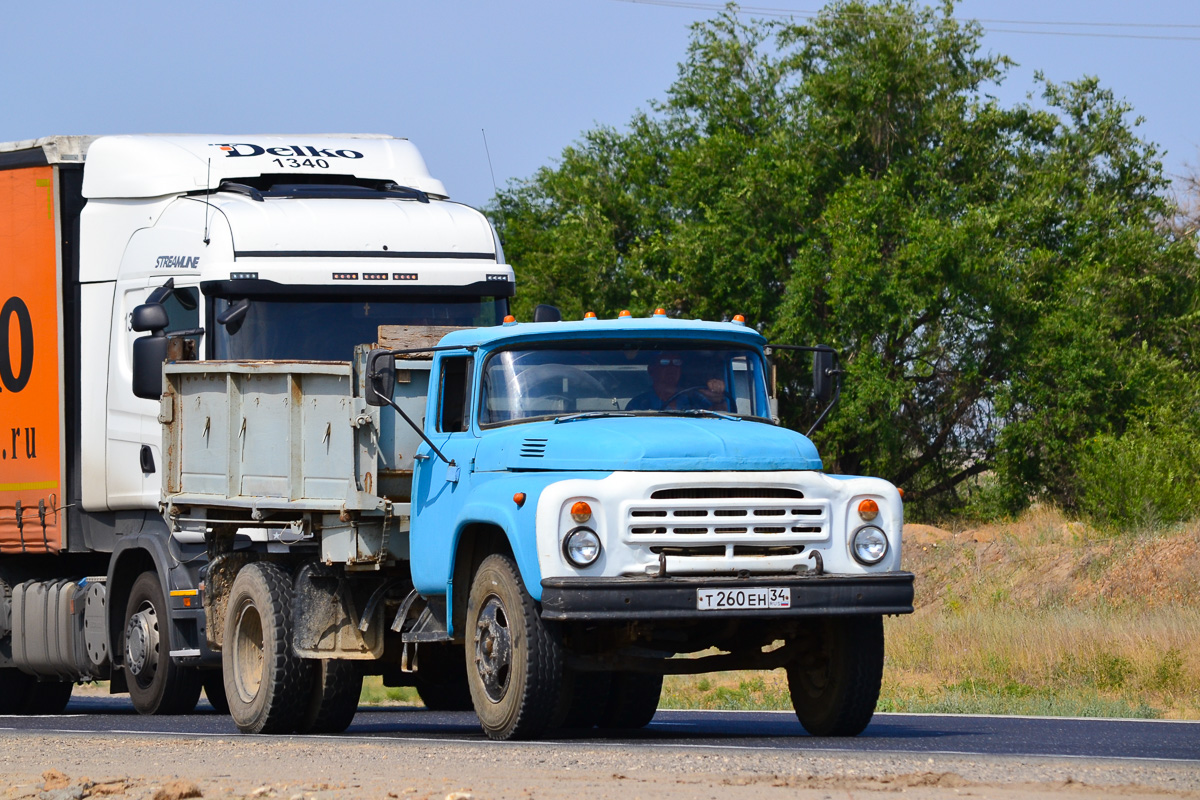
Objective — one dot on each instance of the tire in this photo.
(514, 659)
(835, 687)
(264, 678)
(15, 690)
(24, 694)
(333, 702)
(213, 681)
(49, 697)
(441, 677)
(632, 700)
(583, 699)
(156, 684)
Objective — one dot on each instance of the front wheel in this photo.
(835, 683)
(514, 660)
(265, 680)
(157, 685)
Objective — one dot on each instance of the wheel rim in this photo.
(141, 644)
(493, 649)
(248, 658)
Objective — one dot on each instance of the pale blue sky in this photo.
(534, 73)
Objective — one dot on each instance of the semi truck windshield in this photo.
(328, 329)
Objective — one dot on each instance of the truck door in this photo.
(133, 459)
(440, 492)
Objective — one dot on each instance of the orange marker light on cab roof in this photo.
(868, 509)
(509, 319)
(660, 312)
(581, 511)
(624, 313)
(519, 499)
(901, 491)
(590, 315)
(739, 318)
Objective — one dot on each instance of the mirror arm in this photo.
(420, 432)
(837, 392)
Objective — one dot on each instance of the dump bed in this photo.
(285, 435)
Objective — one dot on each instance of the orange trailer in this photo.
(31, 398)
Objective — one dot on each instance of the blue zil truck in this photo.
(534, 520)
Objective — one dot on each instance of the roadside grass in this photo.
(1037, 616)
(374, 693)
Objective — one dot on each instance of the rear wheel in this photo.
(333, 703)
(24, 694)
(632, 700)
(264, 678)
(157, 685)
(441, 677)
(514, 660)
(835, 684)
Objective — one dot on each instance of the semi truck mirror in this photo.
(823, 375)
(233, 316)
(546, 313)
(381, 377)
(149, 353)
(149, 317)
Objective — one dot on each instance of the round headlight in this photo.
(869, 545)
(581, 547)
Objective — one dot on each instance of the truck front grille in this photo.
(729, 522)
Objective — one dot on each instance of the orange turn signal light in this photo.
(581, 511)
(868, 509)
(519, 499)
(901, 491)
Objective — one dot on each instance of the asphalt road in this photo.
(1150, 740)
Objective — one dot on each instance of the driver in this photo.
(665, 369)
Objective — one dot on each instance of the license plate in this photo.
(752, 597)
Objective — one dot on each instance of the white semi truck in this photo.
(245, 248)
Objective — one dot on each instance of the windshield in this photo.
(328, 329)
(642, 378)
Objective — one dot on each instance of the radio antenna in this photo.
(207, 192)
(495, 188)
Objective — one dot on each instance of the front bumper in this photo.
(620, 599)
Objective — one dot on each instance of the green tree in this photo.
(998, 279)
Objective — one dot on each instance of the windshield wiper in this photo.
(592, 415)
(700, 412)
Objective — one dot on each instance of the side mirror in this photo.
(149, 317)
(149, 353)
(381, 377)
(547, 313)
(823, 366)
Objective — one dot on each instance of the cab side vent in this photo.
(533, 448)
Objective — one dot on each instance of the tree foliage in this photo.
(998, 279)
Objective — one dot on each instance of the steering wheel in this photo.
(697, 391)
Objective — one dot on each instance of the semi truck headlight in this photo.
(581, 546)
(869, 545)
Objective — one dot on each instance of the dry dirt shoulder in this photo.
(173, 768)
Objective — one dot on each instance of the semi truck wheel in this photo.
(213, 681)
(24, 694)
(441, 678)
(632, 700)
(333, 703)
(835, 685)
(514, 660)
(156, 684)
(264, 678)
